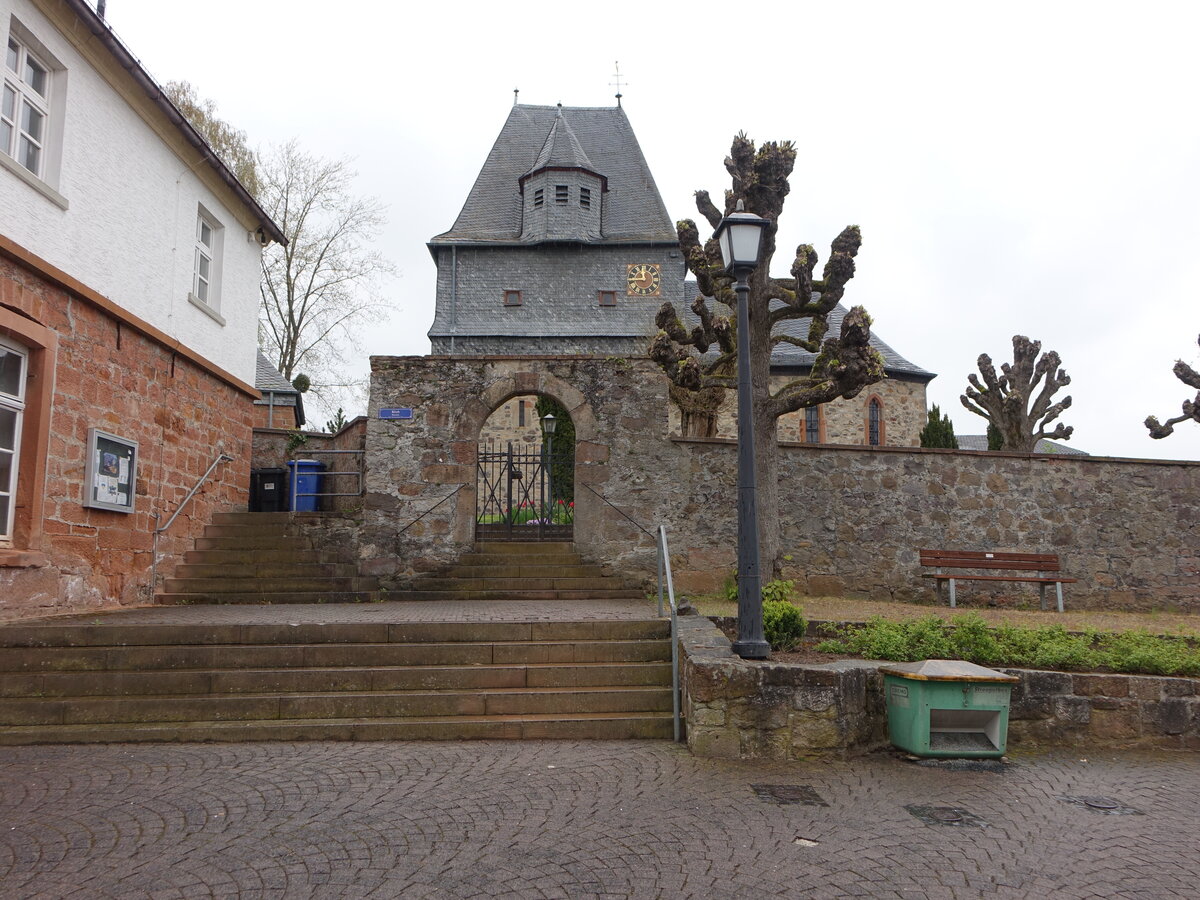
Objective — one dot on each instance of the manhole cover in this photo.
(946, 815)
(789, 793)
(1104, 805)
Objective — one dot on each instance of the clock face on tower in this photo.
(643, 279)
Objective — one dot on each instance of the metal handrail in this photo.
(295, 477)
(617, 508)
(665, 577)
(221, 457)
(431, 509)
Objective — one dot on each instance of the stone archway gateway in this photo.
(525, 478)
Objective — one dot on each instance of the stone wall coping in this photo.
(965, 454)
(513, 357)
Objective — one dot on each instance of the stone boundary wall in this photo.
(735, 709)
(852, 518)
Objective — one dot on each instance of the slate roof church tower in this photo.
(563, 246)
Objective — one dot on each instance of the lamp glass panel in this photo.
(744, 239)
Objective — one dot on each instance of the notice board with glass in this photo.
(111, 472)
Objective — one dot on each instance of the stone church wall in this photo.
(841, 421)
(853, 518)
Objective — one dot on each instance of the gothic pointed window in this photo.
(875, 426)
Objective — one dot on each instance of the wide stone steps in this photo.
(340, 678)
(575, 727)
(258, 596)
(332, 704)
(528, 594)
(390, 680)
(523, 571)
(266, 584)
(265, 558)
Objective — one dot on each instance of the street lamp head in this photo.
(740, 237)
(549, 423)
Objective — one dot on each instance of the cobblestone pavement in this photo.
(587, 820)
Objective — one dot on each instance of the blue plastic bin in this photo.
(304, 478)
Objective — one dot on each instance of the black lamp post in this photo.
(740, 237)
(549, 423)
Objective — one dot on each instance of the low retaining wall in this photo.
(766, 710)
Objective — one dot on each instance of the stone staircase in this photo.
(266, 558)
(102, 681)
(531, 570)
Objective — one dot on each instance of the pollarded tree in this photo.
(1191, 408)
(701, 361)
(1009, 402)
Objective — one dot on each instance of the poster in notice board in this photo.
(111, 472)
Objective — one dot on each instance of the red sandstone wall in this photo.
(110, 376)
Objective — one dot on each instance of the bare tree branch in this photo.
(1191, 408)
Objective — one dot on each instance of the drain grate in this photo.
(954, 816)
(1104, 805)
(785, 794)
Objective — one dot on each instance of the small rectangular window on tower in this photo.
(512, 298)
(608, 298)
(585, 198)
(561, 193)
(539, 197)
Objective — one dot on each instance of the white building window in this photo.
(206, 269)
(14, 364)
(25, 107)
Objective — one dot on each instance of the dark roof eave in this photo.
(436, 243)
(103, 32)
(918, 375)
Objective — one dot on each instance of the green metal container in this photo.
(947, 708)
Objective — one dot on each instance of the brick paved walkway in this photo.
(583, 820)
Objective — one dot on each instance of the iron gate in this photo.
(524, 493)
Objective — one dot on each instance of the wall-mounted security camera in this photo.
(258, 236)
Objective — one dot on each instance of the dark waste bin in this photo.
(268, 490)
(305, 479)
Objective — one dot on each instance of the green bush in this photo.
(969, 637)
(775, 591)
(783, 624)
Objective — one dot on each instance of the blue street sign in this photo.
(400, 412)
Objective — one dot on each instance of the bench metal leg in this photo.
(952, 603)
(1058, 589)
(1042, 594)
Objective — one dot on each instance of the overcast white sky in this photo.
(1017, 167)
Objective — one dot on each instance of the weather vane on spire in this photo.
(617, 83)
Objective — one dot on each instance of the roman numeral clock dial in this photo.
(643, 279)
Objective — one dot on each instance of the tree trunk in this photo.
(766, 443)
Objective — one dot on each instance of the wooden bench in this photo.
(1044, 566)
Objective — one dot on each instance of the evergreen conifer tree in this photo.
(939, 431)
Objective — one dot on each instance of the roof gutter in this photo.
(104, 33)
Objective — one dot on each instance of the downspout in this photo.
(453, 295)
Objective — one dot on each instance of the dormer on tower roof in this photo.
(562, 151)
(596, 142)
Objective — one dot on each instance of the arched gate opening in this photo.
(525, 478)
